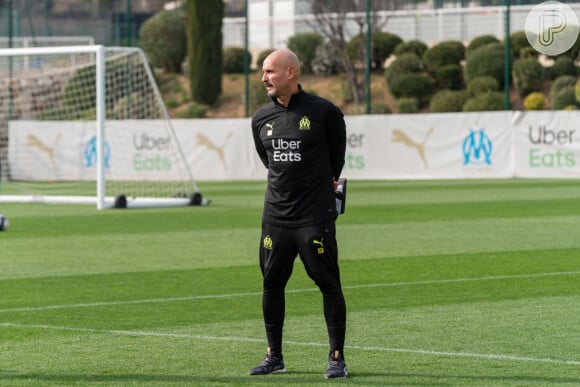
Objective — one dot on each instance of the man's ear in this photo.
(292, 72)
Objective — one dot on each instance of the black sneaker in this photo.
(270, 365)
(336, 366)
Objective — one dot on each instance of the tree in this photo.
(333, 18)
(204, 49)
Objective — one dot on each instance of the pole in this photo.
(10, 63)
(246, 62)
(128, 24)
(507, 54)
(369, 58)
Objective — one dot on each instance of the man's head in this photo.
(280, 72)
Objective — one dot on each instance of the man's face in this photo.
(275, 77)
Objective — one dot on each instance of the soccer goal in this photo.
(87, 124)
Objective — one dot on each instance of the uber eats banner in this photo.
(547, 144)
(420, 146)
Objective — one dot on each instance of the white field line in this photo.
(488, 356)
(255, 294)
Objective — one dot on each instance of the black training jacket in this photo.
(303, 147)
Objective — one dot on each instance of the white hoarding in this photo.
(418, 146)
(547, 144)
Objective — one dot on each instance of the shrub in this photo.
(535, 101)
(480, 41)
(416, 47)
(483, 84)
(194, 110)
(384, 44)
(486, 60)
(449, 77)
(565, 98)
(262, 55)
(404, 64)
(258, 95)
(412, 85)
(561, 83)
(527, 75)
(448, 101)
(82, 106)
(518, 42)
(327, 60)
(233, 60)
(574, 51)
(577, 91)
(444, 53)
(164, 40)
(407, 105)
(379, 108)
(563, 65)
(485, 102)
(304, 46)
(528, 52)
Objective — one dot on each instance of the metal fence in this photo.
(427, 25)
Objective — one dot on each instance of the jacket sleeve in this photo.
(336, 136)
(258, 143)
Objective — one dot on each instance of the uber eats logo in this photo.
(286, 150)
(151, 153)
(552, 158)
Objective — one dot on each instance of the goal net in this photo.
(86, 124)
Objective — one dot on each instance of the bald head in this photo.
(280, 72)
(285, 58)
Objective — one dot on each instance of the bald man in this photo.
(301, 139)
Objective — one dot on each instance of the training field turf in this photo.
(447, 283)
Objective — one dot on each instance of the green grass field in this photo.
(446, 282)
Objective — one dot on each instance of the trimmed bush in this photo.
(485, 102)
(233, 61)
(258, 96)
(449, 77)
(404, 64)
(518, 42)
(563, 65)
(483, 84)
(194, 110)
(304, 46)
(535, 101)
(527, 75)
(561, 83)
(574, 51)
(407, 105)
(412, 85)
(380, 109)
(164, 40)
(384, 44)
(416, 47)
(529, 52)
(486, 60)
(262, 55)
(448, 101)
(444, 53)
(480, 41)
(564, 98)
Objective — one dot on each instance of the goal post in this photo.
(87, 124)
